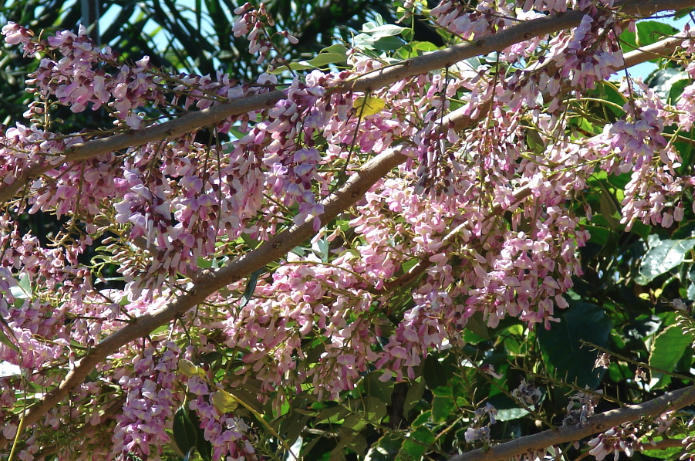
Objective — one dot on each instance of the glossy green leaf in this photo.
(478, 326)
(414, 395)
(663, 257)
(663, 81)
(374, 387)
(649, 32)
(666, 351)
(412, 450)
(387, 30)
(368, 105)
(510, 414)
(374, 409)
(250, 287)
(442, 408)
(185, 433)
(562, 345)
(386, 448)
(434, 373)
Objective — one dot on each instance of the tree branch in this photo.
(282, 243)
(655, 50)
(598, 423)
(375, 80)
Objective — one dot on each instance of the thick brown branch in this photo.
(461, 122)
(378, 79)
(281, 244)
(656, 50)
(598, 423)
(211, 281)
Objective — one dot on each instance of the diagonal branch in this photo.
(598, 423)
(281, 244)
(462, 122)
(211, 281)
(377, 79)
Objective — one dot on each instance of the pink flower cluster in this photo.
(616, 439)
(253, 23)
(459, 18)
(148, 408)
(638, 146)
(481, 217)
(226, 432)
(585, 56)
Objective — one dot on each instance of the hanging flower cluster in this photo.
(476, 221)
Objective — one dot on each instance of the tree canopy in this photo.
(474, 247)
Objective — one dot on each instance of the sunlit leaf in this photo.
(663, 257)
(666, 351)
(368, 105)
(224, 402)
(189, 369)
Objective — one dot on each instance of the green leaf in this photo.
(374, 409)
(332, 414)
(250, 287)
(663, 257)
(386, 30)
(667, 349)
(478, 326)
(649, 32)
(323, 59)
(23, 289)
(442, 408)
(368, 42)
(434, 373)
(189, 369)
(412, 450)
(299, 65)
(203, 446)
(423, 418)
(224, 402)
(355, 422)
(510, 414)
(185, 433)
(414, 395)
(562, 347)
(628, 41)
(609, 209)
(4, 339)
(662, 82)
(534, 141)
(676, 90)
(665, 453)
(377, 388)
(414, 49)
(641, 229)
(386, 448)
(368, 105)
(388, 44)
